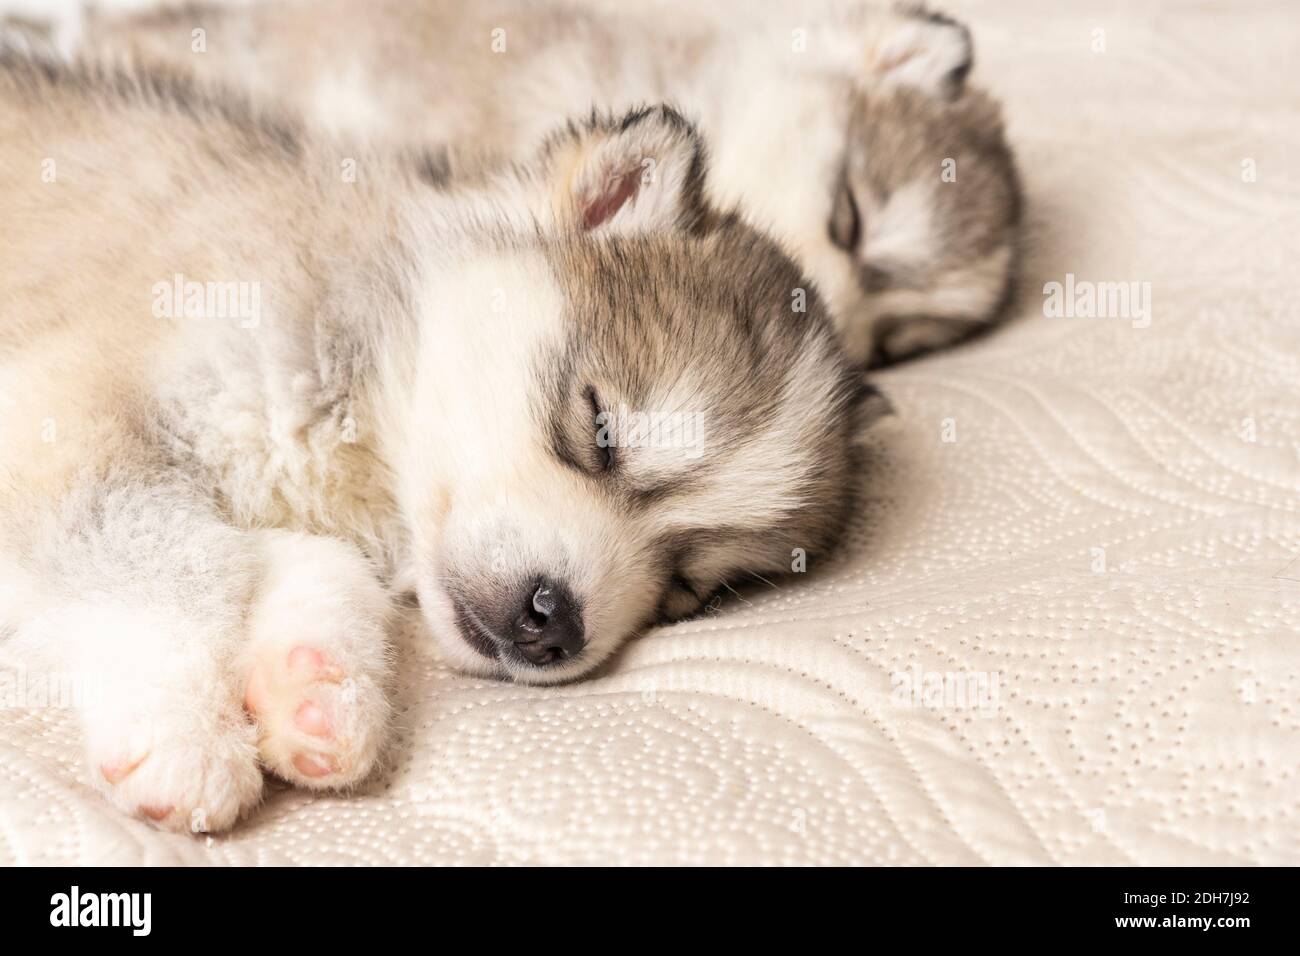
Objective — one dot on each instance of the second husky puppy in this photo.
(247, 381)
(849, 132)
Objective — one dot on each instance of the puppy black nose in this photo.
(548, 629)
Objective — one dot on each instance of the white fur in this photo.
(345, 103)
(901, 231)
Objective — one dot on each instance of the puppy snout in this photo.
(548, 628)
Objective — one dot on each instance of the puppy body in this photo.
(849, 133)
(252, 380)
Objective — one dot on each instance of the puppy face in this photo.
(628, 413)
(926, 209)
(891, 182)
(925, 205)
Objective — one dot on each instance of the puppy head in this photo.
(926, 203)
(623, 401)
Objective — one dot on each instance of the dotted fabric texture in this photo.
(1112, 542)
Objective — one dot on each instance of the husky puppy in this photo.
(250, 384)
(851, 134)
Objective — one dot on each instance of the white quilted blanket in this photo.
(1067, 629)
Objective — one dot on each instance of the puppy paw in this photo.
(317, 662)
(177, 773)
(318, 725)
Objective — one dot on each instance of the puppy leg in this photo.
(317, 661)
(143, 596)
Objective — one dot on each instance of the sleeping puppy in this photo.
(852, 136)
(559, 403)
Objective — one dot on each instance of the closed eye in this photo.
(680, 600)
(604, 439)
(846, 223)
(680, 582)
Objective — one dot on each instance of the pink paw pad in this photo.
(309, 663)
(303, 664)
(312, 720)
(115, 773)
(300, 699)
(315, 765)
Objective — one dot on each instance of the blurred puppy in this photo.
(851, 134)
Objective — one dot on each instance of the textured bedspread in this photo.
(1067, 626)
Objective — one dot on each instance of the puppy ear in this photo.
(920, 49)
(638, 173)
